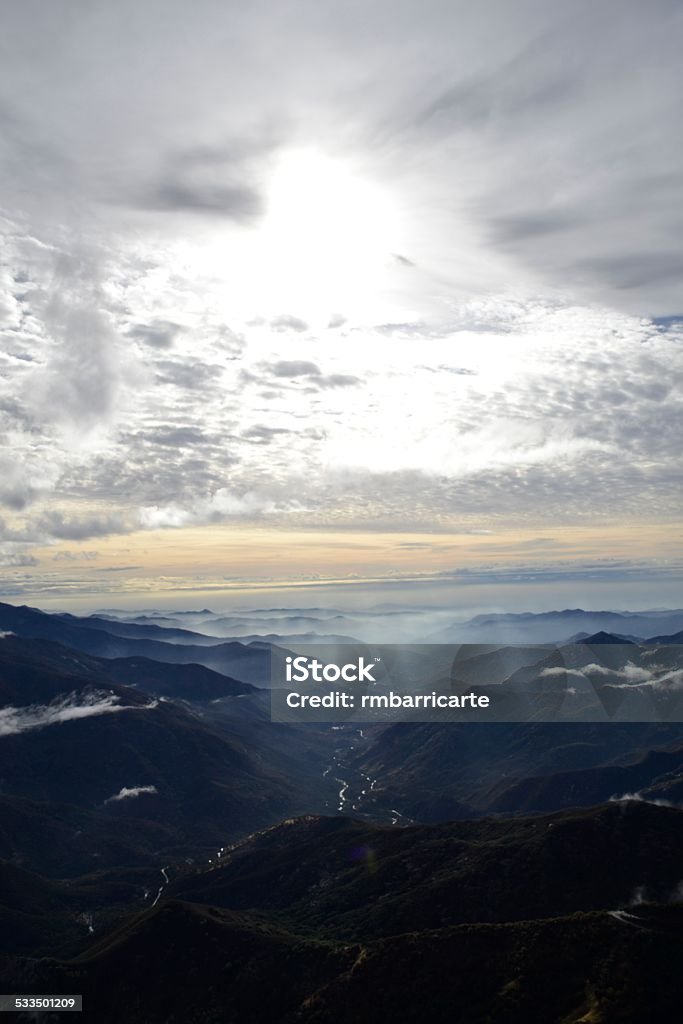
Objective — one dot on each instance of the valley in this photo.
(153, 814)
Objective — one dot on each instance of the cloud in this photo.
(630, 673)
(159, 334)
(239, 203)
(223, 504)
(187, 373)
(56, 525)
(130, 792)
(26, 474)
(119, 568)
(338, 380)
(639, 798)
(79, 384)
(293, 368)
(75, 556)
(455, 124)
(65, 709)
(566, 212)
(637, 677)
(176, 437)
(511, 375)
(262, 434)
(559, 671)
(287, 322)
(206, 180)
(16, 560)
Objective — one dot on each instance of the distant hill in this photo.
(676, 638)
(140, 631)
(606, 638)
(249, 664)
(557, 626)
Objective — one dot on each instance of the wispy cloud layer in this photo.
(14, 720)
(130, 792)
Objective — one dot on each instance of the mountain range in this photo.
(173, 854)
(322, 920)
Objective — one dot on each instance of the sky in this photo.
(298, 294)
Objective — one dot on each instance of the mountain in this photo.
(34, 912)
(601, 637)
(567, 695)
(556, 626)
(292, 641)
(168, 851)
(236, 625)
(179, 682)
(656, 775)
(138, 630)
(332, 920)
(676, 638)
(432, 772)
(478, 664)
(359, 880)
(99, 774)
(33, 671)
(249, 664)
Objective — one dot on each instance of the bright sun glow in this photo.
(324, 245)
(328, 234)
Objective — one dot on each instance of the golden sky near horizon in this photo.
(225, 556)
